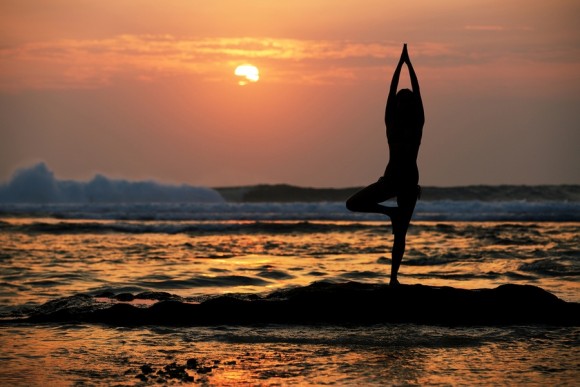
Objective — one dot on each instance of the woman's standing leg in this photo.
(401, 220)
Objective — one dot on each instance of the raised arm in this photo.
(391, 104)
(414, 82)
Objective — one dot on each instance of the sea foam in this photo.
(38, 185)
(36, 192)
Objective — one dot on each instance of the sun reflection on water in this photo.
(274, 355)
(40, 265)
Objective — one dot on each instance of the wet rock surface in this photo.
(328, 303)
(187, 372)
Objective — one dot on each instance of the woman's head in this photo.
(406, 106)
(406, 101)
(405, 97)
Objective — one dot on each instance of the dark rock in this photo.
(384, 261)
(187, 378)
(105, 295)
(191, 364)
(173, 371)
(141, 377)
(160, 296)
(171, 367)
(332, 303)
(124, 297)
(204, 370)
(146, 369)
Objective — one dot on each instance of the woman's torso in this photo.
(404, 141)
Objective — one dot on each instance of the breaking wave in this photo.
(38, 185)
(36, 192)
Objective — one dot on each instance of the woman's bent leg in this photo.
(368, 199)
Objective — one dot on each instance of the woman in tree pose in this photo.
(404, 118)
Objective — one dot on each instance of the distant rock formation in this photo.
(289, 193)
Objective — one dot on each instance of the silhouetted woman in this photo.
(404, 118)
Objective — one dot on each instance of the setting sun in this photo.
(248, 73)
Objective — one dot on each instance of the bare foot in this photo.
(394, 283)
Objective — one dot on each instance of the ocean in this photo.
(96, 254)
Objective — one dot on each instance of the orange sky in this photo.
(146, 89)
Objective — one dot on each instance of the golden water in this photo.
(45, 259)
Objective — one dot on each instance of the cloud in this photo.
(37, 184)
(97, 63)
(71, 63)
(493, 28)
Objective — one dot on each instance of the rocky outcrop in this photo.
(329, 303)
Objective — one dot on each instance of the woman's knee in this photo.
(352, 204)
